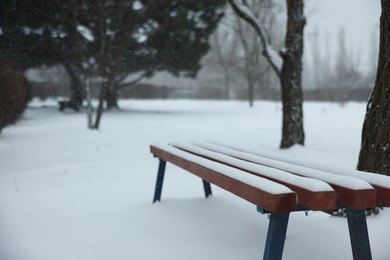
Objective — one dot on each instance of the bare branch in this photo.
(131, 83)
(273, 58)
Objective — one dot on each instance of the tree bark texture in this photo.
(375, 145)
(291, 86)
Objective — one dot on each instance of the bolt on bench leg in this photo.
(358, 233)
(207, 188)
(276, 236)
(160, 180)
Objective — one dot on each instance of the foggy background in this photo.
(340, 56)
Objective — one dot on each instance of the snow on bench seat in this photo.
(214, 164)
(351, 192)
(264, 193)
(312, 194)
(380, 182)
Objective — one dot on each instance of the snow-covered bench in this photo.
(279, 188)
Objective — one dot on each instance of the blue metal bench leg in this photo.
(160, 180)
(358, 233)
(276, 236)
(207, 188)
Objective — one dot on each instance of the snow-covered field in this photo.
(67, 193)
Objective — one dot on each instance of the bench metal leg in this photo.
(358, 233)
(276, 236)
(207, 188)
(160, 180)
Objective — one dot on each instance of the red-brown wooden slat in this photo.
(382, 187)
(275, 203)
(308, 199)
(382, 195)
(346, 197)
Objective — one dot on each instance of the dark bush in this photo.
(14, 94)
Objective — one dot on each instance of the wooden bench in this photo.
(69, 104)
(279, 188)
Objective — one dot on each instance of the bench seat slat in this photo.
(351, 192)
(312, 194)
(380, 182)
(271, 196)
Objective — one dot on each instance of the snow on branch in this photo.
(243, 11)
(86, 33)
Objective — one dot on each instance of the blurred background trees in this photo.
(108, 40)
(131, 49)
(236, 51)
(22, 43)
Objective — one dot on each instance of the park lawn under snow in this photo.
(67, 193)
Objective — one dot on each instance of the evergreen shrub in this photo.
(14, 94)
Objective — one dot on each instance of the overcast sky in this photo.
(359, 18)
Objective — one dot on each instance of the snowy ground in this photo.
(67, 193)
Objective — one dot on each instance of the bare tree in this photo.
(375, 146)
(316, 73)
(251, 47)
(255, 68)
(236, 51)
(287, 64)
(225, 48)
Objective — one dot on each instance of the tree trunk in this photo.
(88, 96)
(112, 98)
(375, 146)
(76, 87)
(250, 90)
(292, 97)
(226, 94)
(99, 112)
